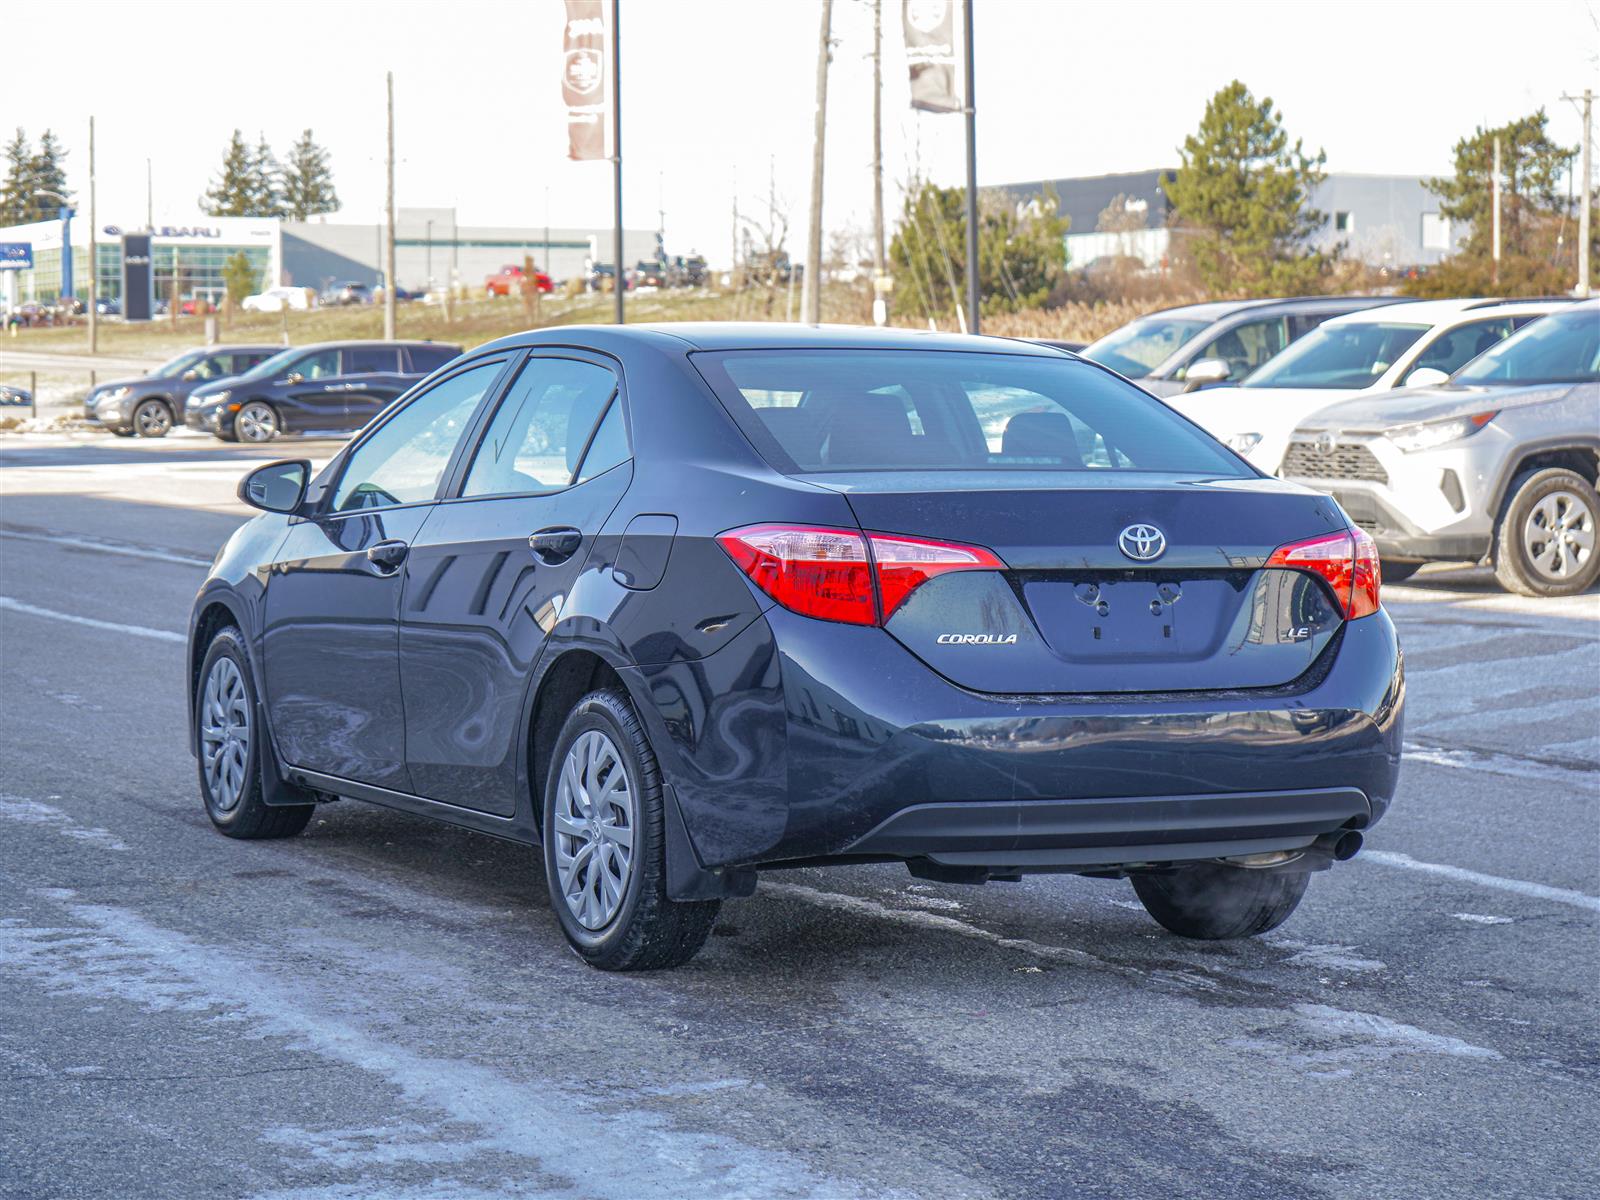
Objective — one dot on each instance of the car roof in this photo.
(768, 335)
(367, 342)
(1221, 310)
(1439, 312)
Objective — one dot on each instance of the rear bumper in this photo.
(804, 739)
(1035, 835)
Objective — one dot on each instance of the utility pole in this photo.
(388, 246)
(428, 240)
(733, 259)
(620, 278)
(149, 197)
(547, 269)
(974, 297)
(811, 281)
(880, 306)
(1587, 198)
(1494, 226)
(94, 272)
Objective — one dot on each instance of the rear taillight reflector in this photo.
(831, 574)
(1347, 562)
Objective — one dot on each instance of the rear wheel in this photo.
(1215, 901)
(605, 845)
(153, 419)
(1545, 544)
(231, 745)
(256, 422)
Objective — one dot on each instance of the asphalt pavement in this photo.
(384, 1007)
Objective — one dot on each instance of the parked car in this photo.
(599, 277)
(346, 292)
(686, 603)
(11, 396)
(150, 405)
(331, 387)
(108, 306)
(508, 280)
(1376, 351)
(296, 299)
(653, 275)
(1499, 465)
(1159, 351)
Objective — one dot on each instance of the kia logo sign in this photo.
(1142, 542)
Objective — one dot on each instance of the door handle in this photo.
(387, 556)
(555, 545)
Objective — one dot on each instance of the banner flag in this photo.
(931, 53)
(585, 86)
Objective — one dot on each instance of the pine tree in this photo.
(234, 192)
(14, 191)
(46, 174)
(1242, 195)
(240, 278)
(307, 181)
(266, 182)
(1532, 168)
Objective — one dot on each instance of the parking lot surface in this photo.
(385, 1006)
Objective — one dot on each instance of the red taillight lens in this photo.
(1347, 561)
(829, 574)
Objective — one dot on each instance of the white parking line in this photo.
(1538, 891)
(156, 635)
(123, 548)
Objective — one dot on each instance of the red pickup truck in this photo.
(507, 281)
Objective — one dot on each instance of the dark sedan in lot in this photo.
(686, 603)
(331, 387)
(151, 405)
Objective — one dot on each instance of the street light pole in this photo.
(974, 292)
(94, 328)
(620, 278)
(388, 249)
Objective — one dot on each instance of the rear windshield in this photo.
(887, 410)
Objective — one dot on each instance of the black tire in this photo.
(1398, 572)
(252, 419)
(153, 419)
(1533, 495)
(122, 433)
(648, 931)
(1215, 901)
(249, 816)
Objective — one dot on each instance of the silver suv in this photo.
(1499, 465)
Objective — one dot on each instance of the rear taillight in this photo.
(833, 575)
(1348, 562)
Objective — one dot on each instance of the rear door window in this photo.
(324, 364)
(539, 433)
(371, 360)
(886, 410)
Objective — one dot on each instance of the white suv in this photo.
(1498, 465)
(1377, 352)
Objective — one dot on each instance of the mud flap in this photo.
(275, 789)
(687, 877)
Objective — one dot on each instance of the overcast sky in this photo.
(718, 91)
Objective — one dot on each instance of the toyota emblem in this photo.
(1142, 542)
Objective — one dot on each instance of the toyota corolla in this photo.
(686, 604)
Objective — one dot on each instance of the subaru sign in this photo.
(16, 256)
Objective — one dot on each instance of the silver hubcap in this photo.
(1559, 535)
(257, 423)
(153, 419)
(594, 829)
(225, 734)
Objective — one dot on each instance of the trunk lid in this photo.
(1075, 613)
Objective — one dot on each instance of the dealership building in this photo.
(431, 249)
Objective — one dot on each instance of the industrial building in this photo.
(1382, 220)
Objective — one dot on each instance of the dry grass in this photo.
(1078, 322)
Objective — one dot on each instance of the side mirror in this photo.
(1205, 373)
(1426, 377)
(295, 377)
(278, 487)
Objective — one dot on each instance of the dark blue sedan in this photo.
(683, 604)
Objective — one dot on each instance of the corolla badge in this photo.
(976, 639)
(1142, 542)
